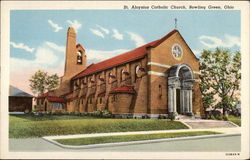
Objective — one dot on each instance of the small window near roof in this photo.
(79, 57)
(122, 71)
(137, 68)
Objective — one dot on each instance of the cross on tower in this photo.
(175, 22)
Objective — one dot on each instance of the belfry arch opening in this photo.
(180, 84)
(79, 57)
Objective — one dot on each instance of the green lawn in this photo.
(26, 126)
(236, 120)
(126, 138)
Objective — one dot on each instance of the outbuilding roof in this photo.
(129, 56)
(15, 92)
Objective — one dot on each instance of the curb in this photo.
(136, 142)
(185, 124)
(233, 124)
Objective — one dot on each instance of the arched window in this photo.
(79, 57)
(137, 68)
(101, 100)
(160, 91)
(110, 74)
(110, 77)
(122, 71)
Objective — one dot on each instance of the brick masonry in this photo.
(147, 75)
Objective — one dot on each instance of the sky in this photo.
(38, 37)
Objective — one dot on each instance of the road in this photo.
(215, 144)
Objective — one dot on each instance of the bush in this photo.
(172, 116)
(71, 113)
(124, 116)
(76, 113)
(212, 117)
(147, 117)
(106, 114)
(207, 116)
(162, 117)
(218, 117)
(26, 111)
(225, 118)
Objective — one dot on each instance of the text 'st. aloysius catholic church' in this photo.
(160, 77)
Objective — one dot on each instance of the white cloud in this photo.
(55, 26)
(117, 35)
(227, 42)
(45, 56)
(97, 32)
(55, 46)
(22, 46)
(48, 57)
(105, 30)
(75, 24)
(100, 55)
(139, 41)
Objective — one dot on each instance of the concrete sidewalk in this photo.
(234, 130)
(226, 132)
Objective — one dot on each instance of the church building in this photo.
(158, 78)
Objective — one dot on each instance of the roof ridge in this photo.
(139, 52)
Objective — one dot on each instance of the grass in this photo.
(23, 126)
(236, 120)
(126, 138)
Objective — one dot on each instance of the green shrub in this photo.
(147, 117)
(76, 113)
(225, 118)
(71, 113)
(106, 114)
(212, 117)
(218, 117)
(172, 116)
(26, 111)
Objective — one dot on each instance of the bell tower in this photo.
(75, 60)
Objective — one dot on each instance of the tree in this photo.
(42, 82)
(220, 76)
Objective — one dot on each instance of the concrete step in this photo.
(184, 117)
(200, 124)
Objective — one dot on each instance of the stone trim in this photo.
(158, 64)
(197, 80)
(167, 66)
(157, 73)
(197, 72)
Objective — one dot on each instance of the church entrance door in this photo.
(180, 83)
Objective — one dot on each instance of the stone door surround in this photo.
(180, 77)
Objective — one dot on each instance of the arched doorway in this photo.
(180, 83)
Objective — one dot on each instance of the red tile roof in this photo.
(101, 94)
(124, 89)
(137, 53)
(55, 99)
(43, 95)
(66, 94)
(51, 98)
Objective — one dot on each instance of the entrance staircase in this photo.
(198, 123)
